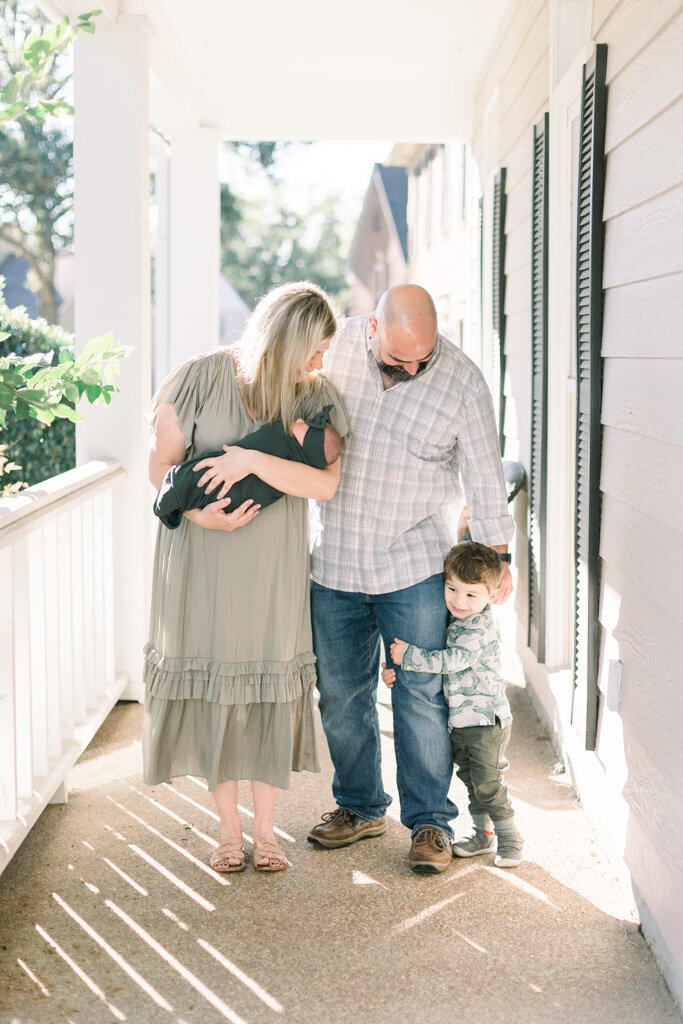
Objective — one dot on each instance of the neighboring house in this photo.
(442, 185)
(379, 249)
(232, 312)
(15, 269)
(585, 334)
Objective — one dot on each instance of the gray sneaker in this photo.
(510, 850)
(473, 843)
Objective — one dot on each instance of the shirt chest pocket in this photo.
(433, 441)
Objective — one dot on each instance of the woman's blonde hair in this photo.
(281, 336)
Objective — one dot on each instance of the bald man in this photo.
(421, 416)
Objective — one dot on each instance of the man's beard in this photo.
(397, 373)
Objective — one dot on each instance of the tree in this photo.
(36, 153)
(47, 384)
(267, 244)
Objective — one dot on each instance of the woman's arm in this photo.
(168, 449)
(293, 478)
(168, 444)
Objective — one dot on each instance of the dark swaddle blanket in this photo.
(180, 490)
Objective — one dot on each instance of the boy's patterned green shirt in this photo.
(472, 683)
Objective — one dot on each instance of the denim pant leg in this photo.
(423, 752)
(346, 644)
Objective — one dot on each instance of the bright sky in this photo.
(311, 172)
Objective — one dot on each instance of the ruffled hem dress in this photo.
(229, 668)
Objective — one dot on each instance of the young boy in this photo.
(313, 441)
(479, 716)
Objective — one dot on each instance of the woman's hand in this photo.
(224, 469)
(214, 517)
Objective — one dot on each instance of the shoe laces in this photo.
(430, 835)
(338, 817)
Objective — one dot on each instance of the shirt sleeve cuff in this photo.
(492, 531)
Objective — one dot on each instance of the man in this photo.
(421, 414)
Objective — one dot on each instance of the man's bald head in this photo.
(407, 305)
(404, 331)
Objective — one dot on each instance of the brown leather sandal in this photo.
(230, 850)
(268, 856)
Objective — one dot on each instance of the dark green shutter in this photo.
(538, 481)
(498, 298)
(589, 249)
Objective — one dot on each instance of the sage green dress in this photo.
(229, 667)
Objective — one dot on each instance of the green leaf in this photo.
(72, 393)
(87, 27)
(65, 355)
(90, 376)
(36, 52)
(11, 89)
(6, 399)
(46, 416)
(65, 412)
(93, 392)
(11, 378)
(9, 112)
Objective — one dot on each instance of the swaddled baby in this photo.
(313, 441)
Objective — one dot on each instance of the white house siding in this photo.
(517, 68)
(630, 785)
(642, 475)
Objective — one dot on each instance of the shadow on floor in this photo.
(109, 912)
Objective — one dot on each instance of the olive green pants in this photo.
(479, 753)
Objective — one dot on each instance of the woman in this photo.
(229, 669)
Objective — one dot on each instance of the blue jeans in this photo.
(346, 633)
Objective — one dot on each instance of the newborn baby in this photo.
(313, 441)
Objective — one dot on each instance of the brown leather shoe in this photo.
(342, 827)
(430, 850)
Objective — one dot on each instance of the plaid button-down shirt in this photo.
(386, 527)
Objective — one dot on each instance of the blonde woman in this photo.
(229, 667)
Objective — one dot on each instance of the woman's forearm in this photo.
(295, 478)
(158, 469)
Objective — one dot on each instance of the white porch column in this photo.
(111, 160)
(194, 255)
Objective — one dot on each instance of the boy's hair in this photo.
(333, 445)
(472, 562)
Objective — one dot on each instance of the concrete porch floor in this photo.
(108, 912)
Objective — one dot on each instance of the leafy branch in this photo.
(24, 93)
(49, 385)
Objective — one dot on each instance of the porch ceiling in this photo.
(264, 69)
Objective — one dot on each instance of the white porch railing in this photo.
(57, 677)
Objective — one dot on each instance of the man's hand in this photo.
(388, 675)
(504, 589)
(397, 650)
